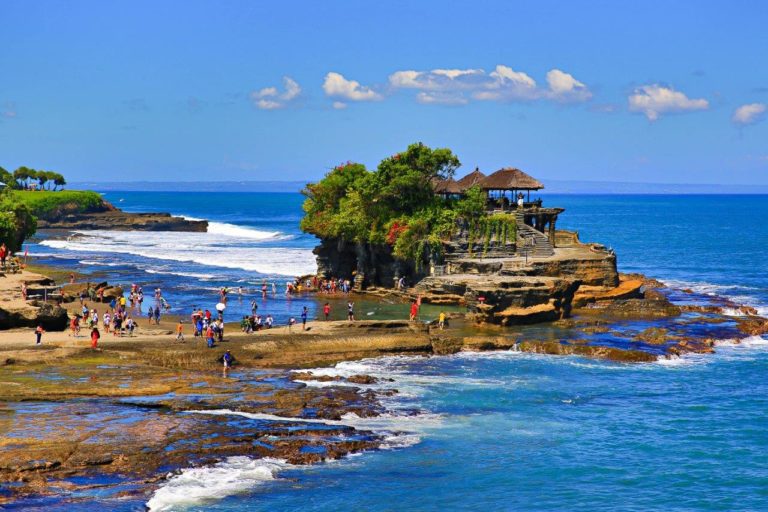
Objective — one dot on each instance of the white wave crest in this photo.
(209, 249)
(195, 486)
(235, 231)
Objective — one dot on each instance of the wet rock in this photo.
(362, 379)
(600, 352)
(641, 308)
(653, 336)
(753, 326)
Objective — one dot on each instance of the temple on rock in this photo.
(508, 265)
(508, 191)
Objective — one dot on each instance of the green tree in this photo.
(42, 178)
(7, 178)
(16, 221)
(21, 175)
(58, 180)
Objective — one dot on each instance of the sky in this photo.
(652, 92)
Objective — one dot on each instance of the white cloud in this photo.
(563, 87)
(269, 98)
(437, 79)
(458, 86)
(440, 98)
(335, 85)
(750, 113)
(339, 105)
(654, 100)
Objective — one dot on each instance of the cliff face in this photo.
(116, 220)
(104, 216)
(371, 265)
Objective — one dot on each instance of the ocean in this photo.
(494, 430)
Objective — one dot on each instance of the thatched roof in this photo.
(510, 179)
(448, 186)
(471, 179)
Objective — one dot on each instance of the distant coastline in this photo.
(553, 187)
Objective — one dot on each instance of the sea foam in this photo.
(196, 486)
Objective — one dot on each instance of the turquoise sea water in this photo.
(500, 430)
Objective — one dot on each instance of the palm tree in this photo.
(59, 180)
(42, 178)
(21, 175)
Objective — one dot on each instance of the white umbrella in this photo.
(221, 307)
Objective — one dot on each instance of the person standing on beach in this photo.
(180, 331)
(441, 320)
(414, 311)
(95, 335)
(304, 313)
(327, 311)
(227, 360)
(209, 336)
(351, 311)
(39, 334)
(3, 254)
(157, 315)
(107, 321)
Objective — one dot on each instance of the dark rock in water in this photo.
(654, 336)
(600, 352)
(753, 326)
(362, 379)
(117, 220)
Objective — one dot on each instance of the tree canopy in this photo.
(394, 204)
(25, 178)
(16, 221)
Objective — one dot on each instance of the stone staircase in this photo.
(532, 243)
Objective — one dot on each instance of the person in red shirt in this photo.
(414, 310)
(327, 310)
(95, 335)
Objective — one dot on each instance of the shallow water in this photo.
(509, 431)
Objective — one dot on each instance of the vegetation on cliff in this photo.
(46, 203)
(16, 221)
(27, 178)
(396, 205)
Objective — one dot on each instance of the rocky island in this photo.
(409, 230)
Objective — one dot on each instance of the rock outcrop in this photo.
(116, 220)
(505, 300)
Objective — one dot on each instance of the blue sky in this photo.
(672, 92)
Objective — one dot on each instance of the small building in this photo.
(504, 185)
(447, 188)
(471, 179)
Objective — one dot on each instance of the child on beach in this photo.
(157, 315)
(179, 331)
(304, 313)
(414, 310)
(227, 360)
(327, 311)
(39, 334)
(351, 311)
(95, 337)
(107, 322)
(130, 325)
(291, 321)
(209, 336)
(150, 315)
(441, 320)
